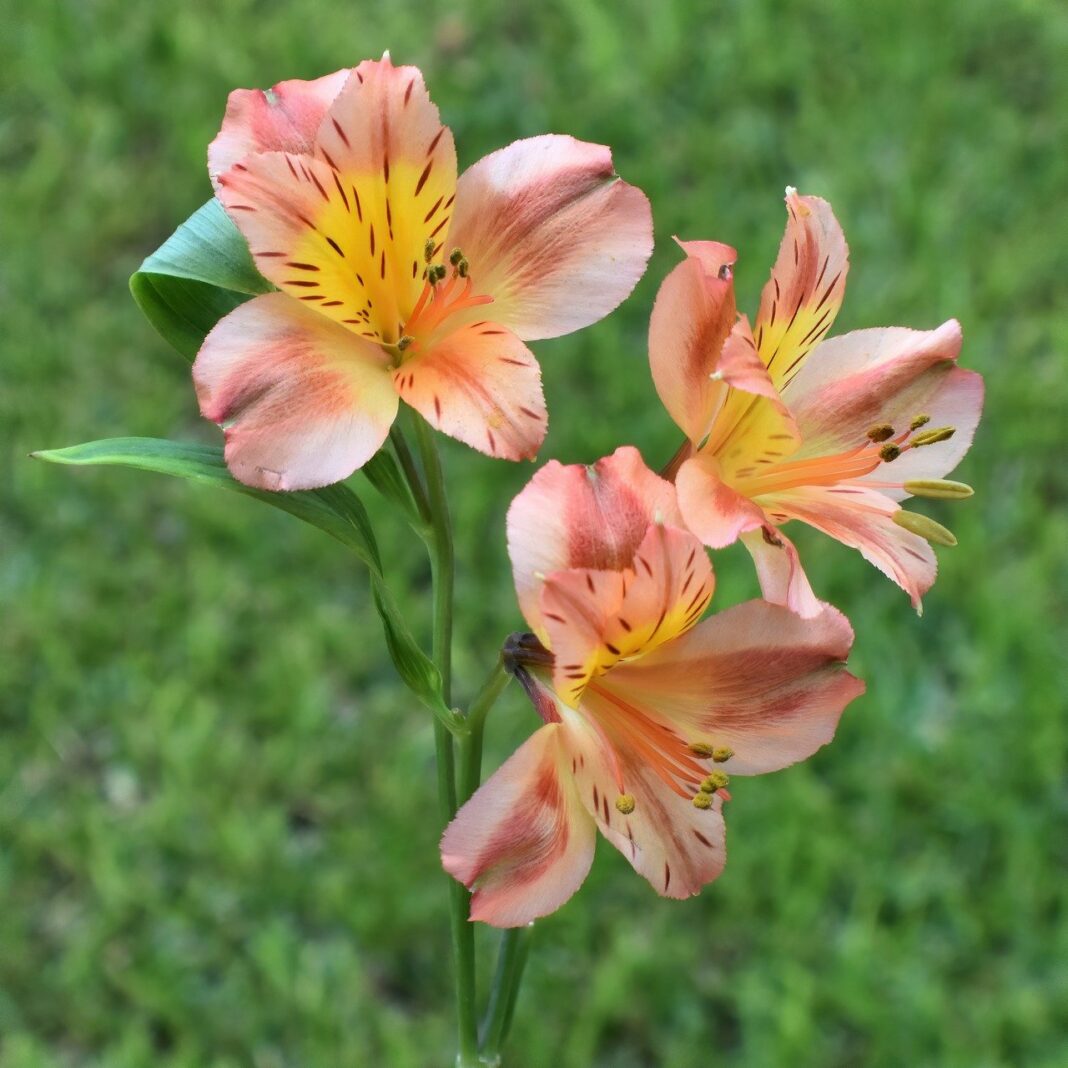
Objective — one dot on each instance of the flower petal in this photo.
(799, 303)
(582, 516)
(712, 510)
(855, 381)
(756, 678)
(778, 567)
(384, 138)
(523, 843)
(482, 386)
(304, 402)
(862, 518)
(595, 619)
(693, 314)
(283, 119)
(551, 233)
(676, 846)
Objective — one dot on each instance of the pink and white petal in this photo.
(676, 846)
(523, 843)
(482, 386)
(862, 518)
(778, 567)
(283, 119)
(595, 619)
(692, 317)
(579, 516)
(868, 377)
(800, 301)
(756, 678)
(551, 233)
(711, 509)
(303, 402)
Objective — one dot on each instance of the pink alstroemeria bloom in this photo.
(784, 425)
(398, 281)
(645, 706)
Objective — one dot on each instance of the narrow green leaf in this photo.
(333, 509)
(383, 472)
(198, 275)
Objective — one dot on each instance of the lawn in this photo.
(217, 807)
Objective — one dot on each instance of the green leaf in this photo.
(383, 472)
(198, 275)
(333, 509)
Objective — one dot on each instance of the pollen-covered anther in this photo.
(404, 342)
(926, 527)
(715, 781)
(463, 268)
(722, 753)
(455, 256)
(918, 421)
(939, 489)
(929, 437)
(703, 750)
(625, 803)
(702, 800)
(428, 249)
(889, 452)
(881, 432)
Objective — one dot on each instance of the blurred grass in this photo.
(217, 825)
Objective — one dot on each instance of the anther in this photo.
(926, 528)
(702, 801)
(939, 488)
(722, 753)
(715, 781)
(404, 342)
(428, 249)
(725, 272)
(462, 268)
(455, 256)
(881, 432)
(889, 452)
(625, 804)
(918, 421)
(702, 750)
(929, 437)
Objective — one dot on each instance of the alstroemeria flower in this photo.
(784, 425)
(646, 707)
(398, 281)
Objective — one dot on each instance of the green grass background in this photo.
(217, 815)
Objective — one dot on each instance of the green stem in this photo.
(511, 960)
(442, 569)
(473, 728)
(415, 483)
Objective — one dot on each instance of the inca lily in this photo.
(784, 425)
(396, 280)
(646, 708)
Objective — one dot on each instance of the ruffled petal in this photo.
(756, 678)
(692, 317)
(523, 843)
(575, 515)
(800, 301)
(863, 518)
(283, 119)
(482, 386)
(852, 382)
(595, 619)
(778, 567)
(676, 846)
(551, 233)
(303, 402)
(712, 510)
